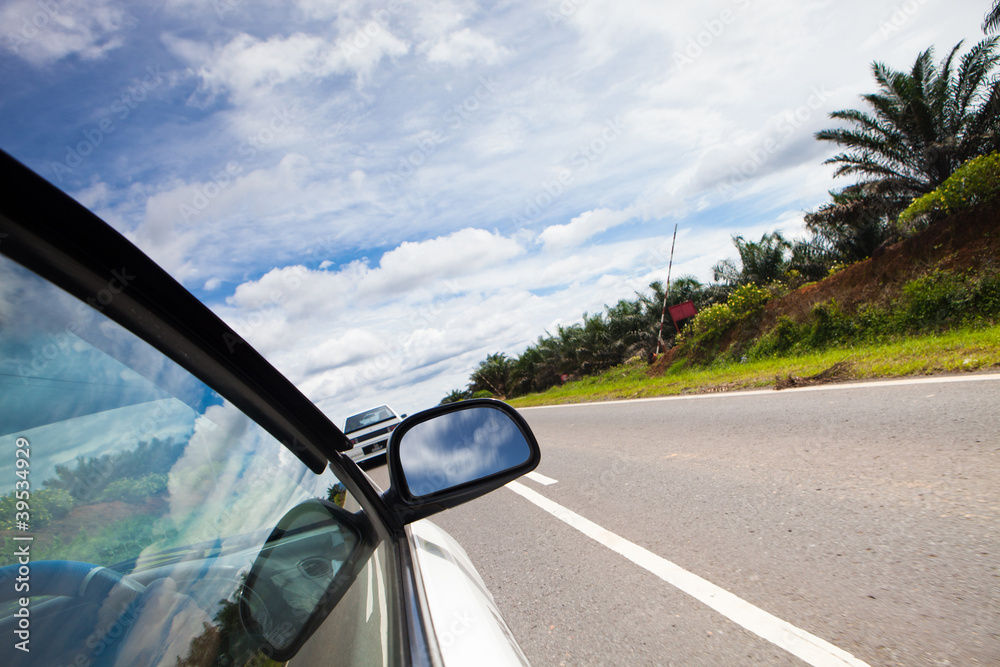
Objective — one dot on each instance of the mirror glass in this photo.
(300, 574)
(460, 447)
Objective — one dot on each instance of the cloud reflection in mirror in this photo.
(460, 447)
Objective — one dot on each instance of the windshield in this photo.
(367, 418)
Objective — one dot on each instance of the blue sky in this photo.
(379, 194)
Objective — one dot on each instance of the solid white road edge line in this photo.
(947, 379)
(796, 641)
(540, 478)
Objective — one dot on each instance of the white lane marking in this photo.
(540, 478)
(796, 641)
(771, 392)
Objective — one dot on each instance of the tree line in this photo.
(916, 134)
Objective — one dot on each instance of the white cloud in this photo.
(44, 32)
(407, 268)
(584, 226)
(361, 51)
(396, 142)
(412, 264)
(467, 46)
(250, 69)
(179, 220)
(247, 66)
(346, 343)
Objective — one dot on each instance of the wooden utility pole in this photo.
(663, 313)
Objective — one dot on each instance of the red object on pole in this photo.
(682, 311)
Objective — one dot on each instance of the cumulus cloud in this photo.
(346, 343)
(412, 264)
(175, 222)
(48, 31)
(406, 268)
(247, 65)
(584, 226)
(249, 68)
(449, 185)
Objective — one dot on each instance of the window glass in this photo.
(112, 455)
(367, 418)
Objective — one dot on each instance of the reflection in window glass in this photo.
(127, 462)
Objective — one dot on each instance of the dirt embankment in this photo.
(968, 241)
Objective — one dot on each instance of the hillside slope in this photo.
(967, 242)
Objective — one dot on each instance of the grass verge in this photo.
(952, 352)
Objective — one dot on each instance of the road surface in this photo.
(833, 526)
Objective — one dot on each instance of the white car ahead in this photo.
(369, 432)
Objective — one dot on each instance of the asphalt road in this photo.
(868, 517)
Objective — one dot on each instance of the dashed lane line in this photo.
(798, 642)
(540, 478)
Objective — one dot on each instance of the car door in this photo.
(172, 499)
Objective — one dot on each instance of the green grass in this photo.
(955, 351)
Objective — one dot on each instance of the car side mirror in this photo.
(454, 453)
(309, 561)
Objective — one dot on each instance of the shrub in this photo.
(747, 299)
(134, 490)
(779, 340)
(710, 322)
(984, 302)
(830, 326)
(38, 514)
(873, 322)
(825, 325)
(920, 208)
(836, 267)
(116, 542)
(58, 502)
(43, 506)
(931, 300)
(976, 181)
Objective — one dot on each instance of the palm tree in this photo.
(762, 262)
(536, 369)
(922, 124)
(992, 21)
(454, 396)
(493, 375)
(849, 228)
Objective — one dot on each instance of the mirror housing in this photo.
(309, 561)
(454, 453)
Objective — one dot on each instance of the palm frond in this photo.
(921, 124)
(992, 21)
